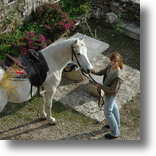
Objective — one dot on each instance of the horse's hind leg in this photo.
(48, 105)
(44, 116)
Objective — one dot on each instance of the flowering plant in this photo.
(53, 20)
(33, 41)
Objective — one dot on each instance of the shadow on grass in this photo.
(12, 108)
(58, 107)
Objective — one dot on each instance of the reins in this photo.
(89, 77)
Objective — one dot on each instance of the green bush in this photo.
(32, 27)
(48, 23)
(76, 8)
(53, 20)
(9, 42)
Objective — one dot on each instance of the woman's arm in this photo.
(113, 89)
(101, 72)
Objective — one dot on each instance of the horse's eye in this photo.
(78, 54)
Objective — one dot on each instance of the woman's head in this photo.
(116, 60)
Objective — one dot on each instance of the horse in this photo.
(58, 55)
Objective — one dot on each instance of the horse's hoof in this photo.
(44, 114)
(52, 121)
(42, 118)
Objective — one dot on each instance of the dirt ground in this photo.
(23, 122)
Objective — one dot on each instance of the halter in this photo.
(88, 76)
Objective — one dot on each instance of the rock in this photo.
(21, 91)
(131, 30)
(111, 17)
(3, 99)
(115, 6)
(74, 75)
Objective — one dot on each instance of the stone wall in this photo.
(13, 12)
(127, 10)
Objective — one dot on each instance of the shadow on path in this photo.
(25, 128)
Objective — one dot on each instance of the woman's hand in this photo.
(98, 86)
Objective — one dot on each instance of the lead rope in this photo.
(90, 78)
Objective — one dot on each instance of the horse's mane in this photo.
(60, 43)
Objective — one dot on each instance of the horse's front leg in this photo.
(49, 94)
(44, 104)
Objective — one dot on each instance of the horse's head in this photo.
(80, 52)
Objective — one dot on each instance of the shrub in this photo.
(9, 43)
(76, 8)
(33, 41)
(47, 24)
(31, 26)
(54, 21)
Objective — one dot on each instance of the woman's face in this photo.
(114, 63)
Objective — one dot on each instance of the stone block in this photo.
(3, 98)
(21, 91)
(74, 75)
(111, 17)
(131, 30)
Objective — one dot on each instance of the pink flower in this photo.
(47, 26)
(67, 26)
(23, 50)
(61, 23)
(30, 34)
(42, 38)
(30, 43)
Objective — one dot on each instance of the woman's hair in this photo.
(117, 57)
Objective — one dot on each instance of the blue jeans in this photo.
(112, 114)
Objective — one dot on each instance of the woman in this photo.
(111, 84)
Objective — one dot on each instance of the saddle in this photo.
(34, 64)
(36, 67)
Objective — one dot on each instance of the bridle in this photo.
(89, 77)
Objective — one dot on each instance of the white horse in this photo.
(57, 56)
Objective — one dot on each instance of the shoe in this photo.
(110, 137)
(106, 127)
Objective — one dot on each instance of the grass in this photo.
(130, 119)
(17, 114)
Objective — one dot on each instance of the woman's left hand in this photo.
(98, 86)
